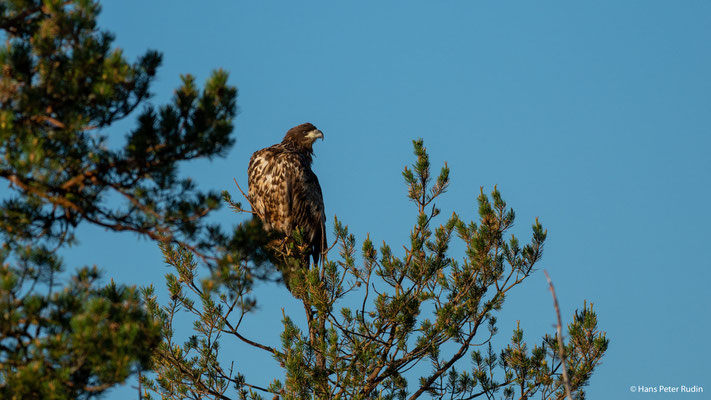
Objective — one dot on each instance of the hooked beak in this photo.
(317, 134)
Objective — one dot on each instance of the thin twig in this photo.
(566, 382)
(248, 200)
(140, 393)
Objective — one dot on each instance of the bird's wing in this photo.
(315, 215)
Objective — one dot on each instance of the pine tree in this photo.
(409, 325)
(414, 325)
(62, 86)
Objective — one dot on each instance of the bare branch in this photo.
(561, 351)
(248, 200)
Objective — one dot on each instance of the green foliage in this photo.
(373, 325)
(71, 344)
(191, 368)
(62, 86)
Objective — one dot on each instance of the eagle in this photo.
(284, 192)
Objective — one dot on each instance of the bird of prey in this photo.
(284, 191)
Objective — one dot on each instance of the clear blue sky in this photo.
(593, 116)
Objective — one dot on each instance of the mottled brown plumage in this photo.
(285, 192)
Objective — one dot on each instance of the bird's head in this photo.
(303, 136)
